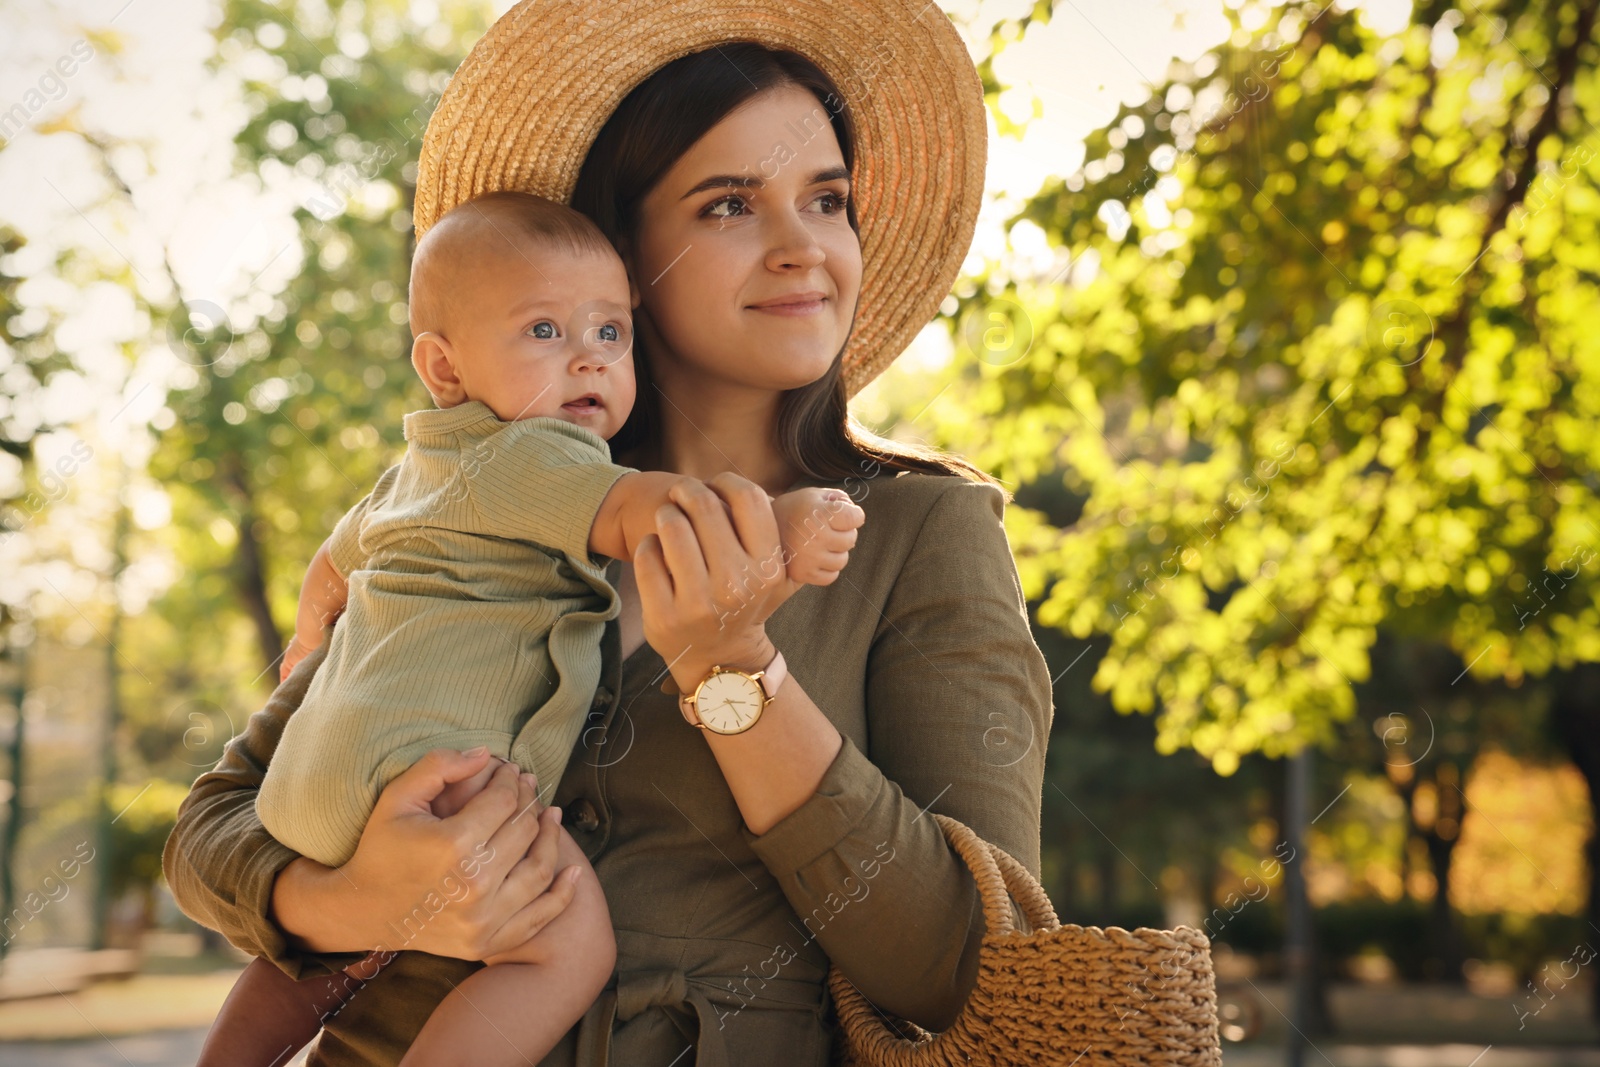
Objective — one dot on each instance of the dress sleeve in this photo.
(540, 480)
(220, 862)
(958, 713)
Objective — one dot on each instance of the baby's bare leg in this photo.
(515, 1010)
(268, 1016)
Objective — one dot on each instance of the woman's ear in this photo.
(435, 361)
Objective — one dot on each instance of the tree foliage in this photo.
(1328, 366)
(292, 403)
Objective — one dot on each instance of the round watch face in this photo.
(729, 703)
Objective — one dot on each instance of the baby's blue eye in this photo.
(543, 330)
(609, 332)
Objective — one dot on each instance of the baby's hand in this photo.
(292, 655)
(818, 528)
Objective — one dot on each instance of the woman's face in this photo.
(747, 268)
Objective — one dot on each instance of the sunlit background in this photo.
(1281, 321)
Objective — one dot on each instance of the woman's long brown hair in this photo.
(650, 130)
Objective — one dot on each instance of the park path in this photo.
(180, 1048)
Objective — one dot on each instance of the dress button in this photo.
(581, 816)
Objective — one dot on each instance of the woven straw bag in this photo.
(1061, 994)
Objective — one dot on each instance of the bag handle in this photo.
(1000, 878)
(1026, 891)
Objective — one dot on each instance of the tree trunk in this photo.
(1065, 896)
(16, 764)
(1302, 966)
(1449, 782)
(1442, 932)
(1106, 868)
(249, 572)
(1575, 714)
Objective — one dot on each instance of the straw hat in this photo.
(526, 105)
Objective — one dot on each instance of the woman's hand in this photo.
(708, 581)
(711, 576)
(456, 794)
(472, 885)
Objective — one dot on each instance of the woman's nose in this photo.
(793, 244)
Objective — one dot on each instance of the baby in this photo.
(473, 609)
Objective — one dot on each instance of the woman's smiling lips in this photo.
(808, 303)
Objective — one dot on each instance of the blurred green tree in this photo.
(29, 360)
(286, 405)
(1331, 372)
(287, 416)
(1430, 725)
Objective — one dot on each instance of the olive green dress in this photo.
(921, 656)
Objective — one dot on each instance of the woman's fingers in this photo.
(657, 597)
(535, 872)
(497, 845)
(650, 572)
(534, 868)
(536, 915)
(751, 508)
(709, 516)
(456, 794)
(406, 853)
(414, 789)
(681, 550)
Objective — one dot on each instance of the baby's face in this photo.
(547, 331)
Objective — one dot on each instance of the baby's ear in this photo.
(434, 359)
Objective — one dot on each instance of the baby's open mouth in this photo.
(584, 403)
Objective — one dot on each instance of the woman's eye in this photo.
(543, 330)
(834, 200)
(712, 212)
(609, 332)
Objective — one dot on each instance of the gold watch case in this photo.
(726, 701)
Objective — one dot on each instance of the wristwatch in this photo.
(729, 701)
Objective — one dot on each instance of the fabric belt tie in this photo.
(714, 999)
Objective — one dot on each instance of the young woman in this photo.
(737, 862)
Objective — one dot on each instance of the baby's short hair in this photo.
(503, 216)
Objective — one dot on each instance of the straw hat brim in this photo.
(524, 108)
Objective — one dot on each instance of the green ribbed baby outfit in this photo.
(474, 618)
